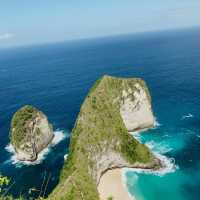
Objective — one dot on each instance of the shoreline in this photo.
(112, 182)
(112, 185)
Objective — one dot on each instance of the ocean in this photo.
(56, 78)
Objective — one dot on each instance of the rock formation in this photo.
(30, 133)
(100, 140)
(135, 108)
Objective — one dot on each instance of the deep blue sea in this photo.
(56, 77)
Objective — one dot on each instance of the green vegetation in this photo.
(4, 181)
(4, 186)
(99, 127)
(18, 124)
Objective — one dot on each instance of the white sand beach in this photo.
(111, 185)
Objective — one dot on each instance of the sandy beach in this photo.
(111, 185)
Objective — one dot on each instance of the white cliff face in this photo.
(135, 109)
(39, 134)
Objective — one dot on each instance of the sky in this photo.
(26, 22)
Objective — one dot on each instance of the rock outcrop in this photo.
(100, 139)
(135, 108)
(30, 133)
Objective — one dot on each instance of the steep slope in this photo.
(100, 139)
(30, 133)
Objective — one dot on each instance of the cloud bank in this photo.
(5, 36)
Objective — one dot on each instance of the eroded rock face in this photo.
(135, 109)
(30, 133)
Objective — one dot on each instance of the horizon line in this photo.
(75, 40)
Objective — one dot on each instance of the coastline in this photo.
(111, 185)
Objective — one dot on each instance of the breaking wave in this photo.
(58, 137)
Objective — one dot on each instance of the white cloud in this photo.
(5, 36)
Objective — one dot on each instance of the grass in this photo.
(18, 124)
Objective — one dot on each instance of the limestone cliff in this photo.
(30, 133)
(135, 108)
(100, 138)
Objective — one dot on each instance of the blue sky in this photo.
(24, 22)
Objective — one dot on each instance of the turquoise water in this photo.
(180, 177)
(56, 78)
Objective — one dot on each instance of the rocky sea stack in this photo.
(100, 139)
(30, 133)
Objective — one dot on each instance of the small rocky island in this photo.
(101, 140)
(30, 133)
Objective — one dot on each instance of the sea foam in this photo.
(159, 147)
(58, 137)
(156, 123)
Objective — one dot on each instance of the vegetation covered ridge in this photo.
(100, 140)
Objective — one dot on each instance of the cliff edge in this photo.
(100, 139)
